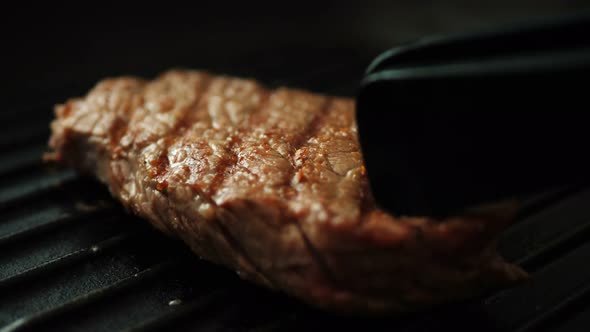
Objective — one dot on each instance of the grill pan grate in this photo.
(72, 260)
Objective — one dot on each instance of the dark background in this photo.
(58, 50)
(54, 51)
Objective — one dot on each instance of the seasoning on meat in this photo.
(271, 183)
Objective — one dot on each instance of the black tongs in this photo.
(450, 123)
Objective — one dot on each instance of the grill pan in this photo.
(72, 260)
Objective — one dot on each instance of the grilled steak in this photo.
(271, 184)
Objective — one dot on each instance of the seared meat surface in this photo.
(271, 183)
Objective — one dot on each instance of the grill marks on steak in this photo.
(271, 183)
(205, 147)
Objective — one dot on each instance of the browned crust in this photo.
(271, 183)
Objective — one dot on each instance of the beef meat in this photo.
(271, 183)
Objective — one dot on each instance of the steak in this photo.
(271, 183)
